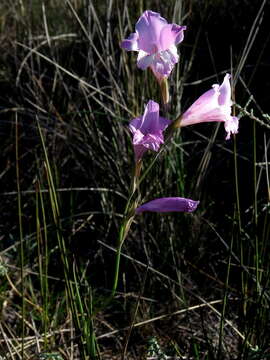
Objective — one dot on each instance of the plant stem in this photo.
(21, 231)
(256, 212)
(117, 259)
(127, 221)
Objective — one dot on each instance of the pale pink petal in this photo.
(214, 105)
(137, 137)
(204, 109)
(225, 92)
(152, 141)
(180, 33)
(170, 204)
(148, 130)
(172, 51)
(150, 122)
(144, 60)
(231, 126)
(171, 34)
(131, 43)
(135, 124)
(149, 27)
(150, 119)
(147, 142)
(164, 62)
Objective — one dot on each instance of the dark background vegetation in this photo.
(185, 257)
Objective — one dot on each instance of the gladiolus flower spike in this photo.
(170, 204)
(156, 41)
(148, 130)
(213, 105)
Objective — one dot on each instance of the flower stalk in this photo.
(128, 218)
(164, 88)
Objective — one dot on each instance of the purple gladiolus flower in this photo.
(156, 41)
(213, 105)
(170, 204)
(148, 130)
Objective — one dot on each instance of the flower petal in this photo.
(231, 126)
(148, 129)
(149, 27)
(138, 137)
(135, 124)
(204, 109)
(170, 204)
(144, 60)
(150, 122)
(150, 119)
(213, 105)
(152, 141)
(164, 62)
(131, 43)
(225, 92)
(172, 51)
(171, 34)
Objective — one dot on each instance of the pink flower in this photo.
(156, 41)
(213, 105)
(170, 204)
(148, 130)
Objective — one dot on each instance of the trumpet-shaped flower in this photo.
(148, 130)
(213, 105)
(170, 204)
(156, 41)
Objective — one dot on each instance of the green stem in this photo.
(256, 211)
(169, 133)
(239, 224)
(127, 221)
(117, 259)
(21, 232)
(224, 303)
